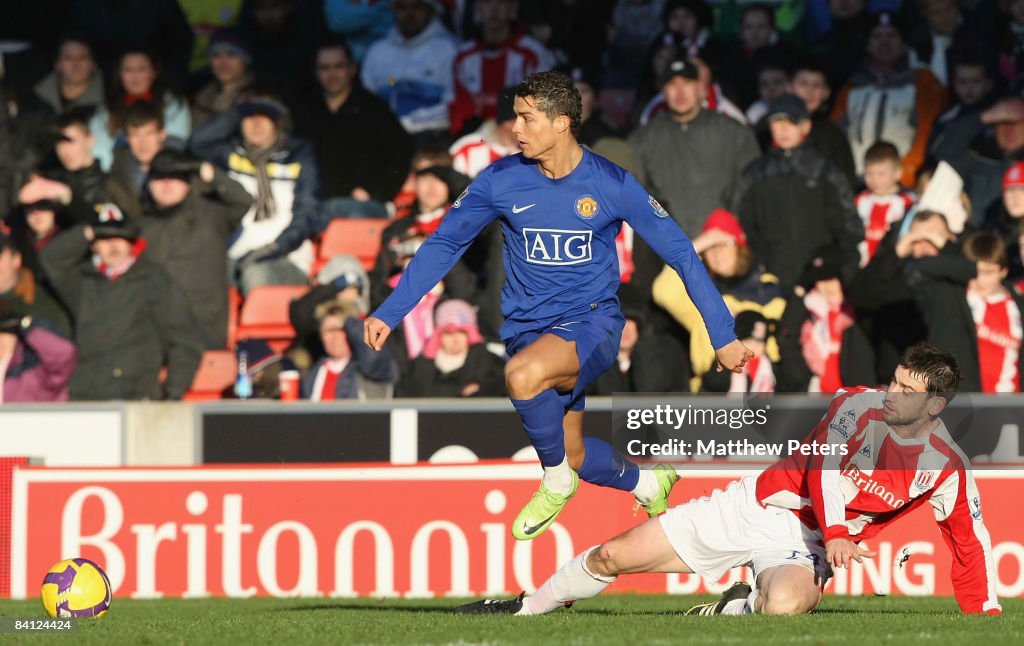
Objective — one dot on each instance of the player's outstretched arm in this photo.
(733, 356)
(375, 332)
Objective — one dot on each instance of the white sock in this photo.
(559, 478)
(646, 486)
(573, 582)
(736, 607)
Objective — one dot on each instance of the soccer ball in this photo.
(76, 588)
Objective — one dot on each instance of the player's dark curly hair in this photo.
(936, 366)
(554, 94)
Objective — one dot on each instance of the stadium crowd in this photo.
(850, 171)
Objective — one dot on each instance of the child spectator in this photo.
(970, 312)
(139, 80)
(972, 86)
(884, 202)
(342, 279)
(1004, 218)
(351, 368)
(493, 140)
(816, 335)
(758, 374)
(455, 361)
(146, 136)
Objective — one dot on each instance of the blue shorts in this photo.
(597, 335)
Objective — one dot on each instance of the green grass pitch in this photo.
(612, 619)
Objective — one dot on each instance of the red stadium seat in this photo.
(264, 313)
(216, 372)
(359, 237)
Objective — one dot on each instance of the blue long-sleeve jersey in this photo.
(559, 244)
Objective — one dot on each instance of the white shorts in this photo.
(730, 529)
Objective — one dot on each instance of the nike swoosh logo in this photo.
(532, 530)
(520, 209)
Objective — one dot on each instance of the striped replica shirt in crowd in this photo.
(881, 478)
(998, 326)
(878, 212)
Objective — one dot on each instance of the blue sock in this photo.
(605, 466)
(543, 421)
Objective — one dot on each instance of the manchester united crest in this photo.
(586, 207)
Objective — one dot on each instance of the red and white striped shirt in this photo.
(878, 212)
(481, 72)
(997, 321)
(881, 478)
(476, 151)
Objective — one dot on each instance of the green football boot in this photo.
(541, 511)
(667, 478)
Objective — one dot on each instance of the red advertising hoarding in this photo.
(386, 531)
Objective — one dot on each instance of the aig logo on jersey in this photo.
(586, 207)
(557, 246)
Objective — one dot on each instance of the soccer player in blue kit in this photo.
(561, 207)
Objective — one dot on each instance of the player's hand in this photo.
(841, 553)
(375, 332)
(733, 356)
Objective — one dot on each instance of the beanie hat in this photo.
(726, 222)
(452, 316)
(231, 41)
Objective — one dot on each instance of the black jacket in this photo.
(940, 285)
(190, 242)
(423, 379)
(362, 144)
(793, 202)
(125, 329)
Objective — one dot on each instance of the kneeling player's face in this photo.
(534, 131)
(906, 400)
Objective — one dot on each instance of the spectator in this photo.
(819, 342)
(969, 311)
(810, 83)
(283, 35)
(744, 284)
(20, 288)
(887, 99)
(192, 210)
(758, 48)
(772, 82)
(342, 279)
(493, 140)
(501, 56)
(972, 86)
(411, 68)
(207, 17)
(883, 203)
(362, 150)
(75, 83)
(139, 79)
(109, 24)
(351, 368)
(793, 200)
(1010, 57)
(455, 361)
(758, 375)
(1004, 217)
(75, 165)
(230, 63)
(360, 23)
(883, 298)
(982, 146)
(711, 96)
(593, 126)
(436, 189)
(688, 156)
(280, 173)
(692, 23)
(841, 49)
(635, 25)
(945, 32)
(146, 137)
(131, 320)
(35, 362)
